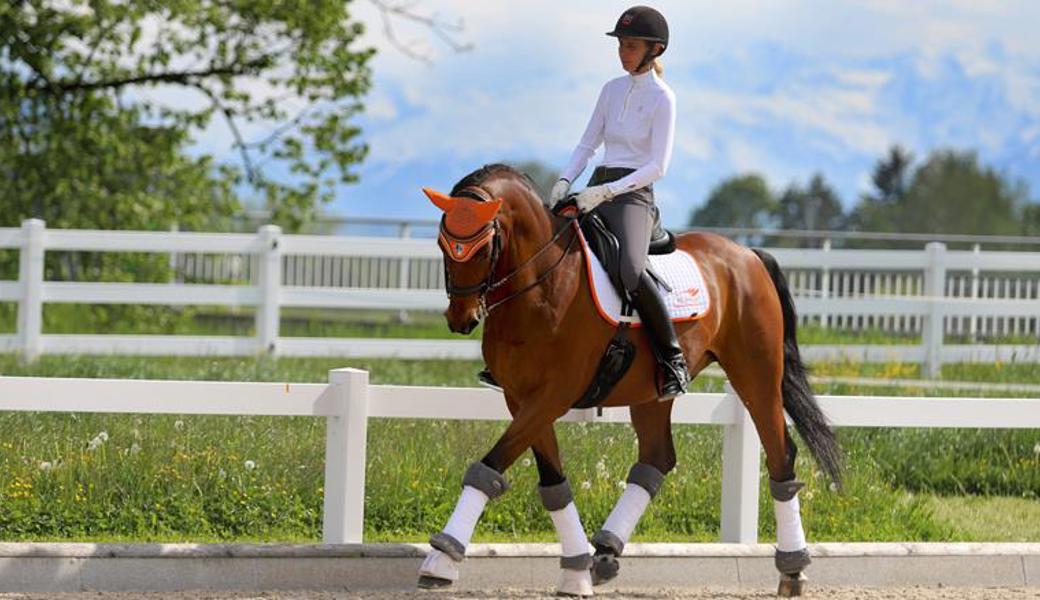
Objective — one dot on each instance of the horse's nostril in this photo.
(472, 325)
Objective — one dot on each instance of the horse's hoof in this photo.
(429, 582)
(792, 585)
(604, 568)
(575, 583)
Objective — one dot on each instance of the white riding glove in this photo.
(559, 190)
(591, 197)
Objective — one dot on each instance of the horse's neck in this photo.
(540, 310)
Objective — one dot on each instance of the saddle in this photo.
(604, 244)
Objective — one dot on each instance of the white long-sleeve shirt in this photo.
(635, 118)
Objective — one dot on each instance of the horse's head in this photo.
(470, 238)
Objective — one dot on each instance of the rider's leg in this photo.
(630, 218)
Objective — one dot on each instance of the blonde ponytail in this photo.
(658, 67)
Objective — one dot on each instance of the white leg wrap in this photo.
(573, 540)
(789, 534)
(439, 564)
(575, 583)
(462, 522)
(627, 512)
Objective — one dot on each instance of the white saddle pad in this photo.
(687, 301)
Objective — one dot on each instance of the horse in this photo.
(515, 265)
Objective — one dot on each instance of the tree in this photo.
(82, 142)
(542, 175)
(740, 201)
(891, 178)
(949, 193)
(814, 208)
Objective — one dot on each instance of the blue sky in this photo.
(782, 88)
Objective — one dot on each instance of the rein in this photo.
(490, 284)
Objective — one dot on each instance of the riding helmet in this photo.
(644, 23)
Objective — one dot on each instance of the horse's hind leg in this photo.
(755, 370)
(557, 498)
(652, 422)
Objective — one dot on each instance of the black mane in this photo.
(477, 177)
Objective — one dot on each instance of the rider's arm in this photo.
(590, 140)
(662, 132)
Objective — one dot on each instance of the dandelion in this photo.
(134, 449)
(178, 424)
(222, 473)
(601, 466)
(1036, 448)
(526, 462)
(103, 436)
(622, 485)
(586, 485)
(250, 465)
(45, 466)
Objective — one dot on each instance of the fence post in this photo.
(345, 449)
(30, 278)
(934, 290)
(825, 284)
(740, 474)
(270, 282)
(404, 231)
(976, 250)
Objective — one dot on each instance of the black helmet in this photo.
(644, 23)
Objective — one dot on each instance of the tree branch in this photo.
(247, 161)
(445, 31)
(182, 77)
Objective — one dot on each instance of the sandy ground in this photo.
(835, 593)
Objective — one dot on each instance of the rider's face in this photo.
(631, 51)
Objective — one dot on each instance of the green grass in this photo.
(169, 478)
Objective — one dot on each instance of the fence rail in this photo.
(348, 401)
(935, 293)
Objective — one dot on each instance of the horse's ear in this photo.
(445, 203)
(486, 211)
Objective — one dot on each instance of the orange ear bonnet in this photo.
(467, 225)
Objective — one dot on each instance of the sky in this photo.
(783, 88)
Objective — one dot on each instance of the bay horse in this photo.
(512, 263)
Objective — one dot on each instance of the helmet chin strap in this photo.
(647, 59)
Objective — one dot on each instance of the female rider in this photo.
(635, 118)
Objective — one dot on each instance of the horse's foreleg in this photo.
(652, 422)
(555, 492)
(482, 482)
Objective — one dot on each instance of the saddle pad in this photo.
(687, 301)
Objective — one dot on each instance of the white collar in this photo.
(643, 78)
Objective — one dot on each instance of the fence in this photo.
(348, 401)
(832, 286)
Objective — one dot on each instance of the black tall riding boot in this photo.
(654, 314)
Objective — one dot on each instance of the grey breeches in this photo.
(629, 216)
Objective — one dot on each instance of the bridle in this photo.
(463, 249)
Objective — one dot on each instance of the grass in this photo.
(201, 478)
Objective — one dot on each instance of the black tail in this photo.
(799, 402)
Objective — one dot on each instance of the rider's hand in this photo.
(559, 190)
(592, 196)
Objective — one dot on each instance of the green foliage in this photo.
(951, 192)
(543, 176)
(740, 201)
(99, 104)
(814, 207)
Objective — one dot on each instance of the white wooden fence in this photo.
(926, 289)
(348, 401)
